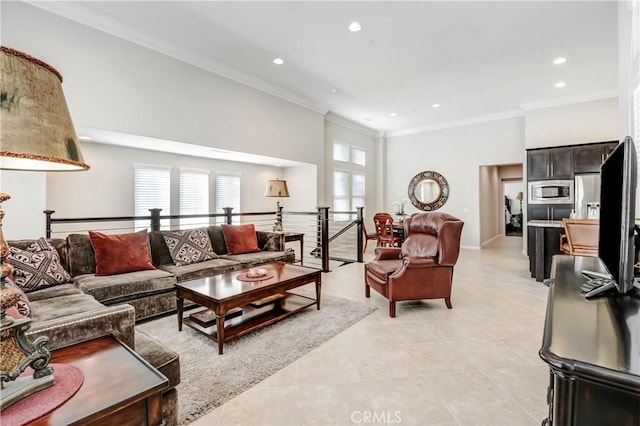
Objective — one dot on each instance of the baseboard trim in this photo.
(471, 247)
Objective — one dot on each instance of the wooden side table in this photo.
(120, 387)
(296, 236)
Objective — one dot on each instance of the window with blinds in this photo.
(194, 197)
(228, 194)
(151, 190)
(349, 181)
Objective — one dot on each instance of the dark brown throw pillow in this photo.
(240, 238)
(120, 253)
(37, 267)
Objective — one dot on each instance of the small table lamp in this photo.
(277, 188)
(37, 135)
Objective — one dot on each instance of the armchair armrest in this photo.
(270, 241)
(386, 253)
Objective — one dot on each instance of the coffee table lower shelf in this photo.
(253, 318)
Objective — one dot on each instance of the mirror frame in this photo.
(440, 181)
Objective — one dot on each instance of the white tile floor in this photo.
(476, 364)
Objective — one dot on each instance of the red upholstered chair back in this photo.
(433, 234)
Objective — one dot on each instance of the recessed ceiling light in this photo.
(334, 90)
(85, 138)
(560, 84)
(354, 27)
(435, 106)
(278, 61)
(392, 114)
(560, 60)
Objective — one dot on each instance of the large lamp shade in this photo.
(36, 132)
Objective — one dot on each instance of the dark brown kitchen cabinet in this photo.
(550, 163)
(548, 211)
(588, 158)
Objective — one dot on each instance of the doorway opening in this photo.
(513, 192)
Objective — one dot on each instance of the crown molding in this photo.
(459, 123)
(79, 14)
(568, 100)
(345, 122)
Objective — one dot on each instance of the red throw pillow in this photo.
(120, 253)
(240, 238)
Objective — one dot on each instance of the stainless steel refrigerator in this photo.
(587, 196)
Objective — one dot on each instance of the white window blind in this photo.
(227, 194)
(151, 190)
(341, 193)
(357, 190)
(636, 115)
(194, 197)
(358, 156)
(340, 152)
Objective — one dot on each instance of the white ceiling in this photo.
(477, 59)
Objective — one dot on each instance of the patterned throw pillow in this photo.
(189, 246)
(37, 267)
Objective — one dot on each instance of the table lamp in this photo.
(277, 188)
(36, 134)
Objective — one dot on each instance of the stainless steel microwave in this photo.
(551, 192)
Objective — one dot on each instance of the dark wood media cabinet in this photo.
(593, 351)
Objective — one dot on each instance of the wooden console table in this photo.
(296, 236)
(591, 347)
(119, 388)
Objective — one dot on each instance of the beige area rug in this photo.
(208, 380)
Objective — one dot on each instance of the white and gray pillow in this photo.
(37, 267)
(189, 246)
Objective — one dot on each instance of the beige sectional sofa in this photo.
(92, 306)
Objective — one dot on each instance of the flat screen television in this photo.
(618, 179)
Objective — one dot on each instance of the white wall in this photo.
(584, 122)
(112, 84)
(107, 188)
(23, 212)
(303, 188)
(457, 154)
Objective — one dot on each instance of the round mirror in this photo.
(428, 190)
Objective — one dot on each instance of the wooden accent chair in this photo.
(368, 236)
(384, 230)
(423, 267)
(580, 237)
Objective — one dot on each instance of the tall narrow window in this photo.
(228, 194)
(349, 179)
(194, 197)
(151, 190)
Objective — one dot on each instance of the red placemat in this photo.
(243, 277)
(68, 381)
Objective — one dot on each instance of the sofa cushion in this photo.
(113, 289)
(202, 269)
(382, 268)
(217, 239)
(159, 356)
(189, 246)
(120, 253)
(240, 238)
(249, 260)
(51, 292)
(38, 266)
(63, 306)
(82, 259)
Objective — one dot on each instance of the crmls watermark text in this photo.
(378, 417)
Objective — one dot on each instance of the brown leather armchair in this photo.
(423, 267)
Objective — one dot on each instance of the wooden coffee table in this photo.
(233, 308)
